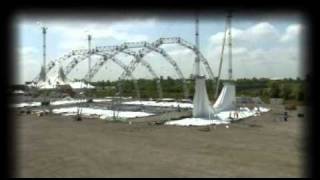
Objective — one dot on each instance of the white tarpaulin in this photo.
(160, 104)
(223, 117)
(101, 113)
(52, 82)
(227, 98)
(26, 104)
(58, 102)
(196, 122)
(201, 103)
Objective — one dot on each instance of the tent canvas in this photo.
(227, 98)
(201, 103)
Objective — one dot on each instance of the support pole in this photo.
(197, 48)
(230, 46)
(44, 32)
(89, 55)
(221, 58)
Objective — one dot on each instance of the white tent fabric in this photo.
(201, 103)
(222, 117)
(101, 113)
(227, 98)
(52, 83)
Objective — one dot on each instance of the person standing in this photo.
(285, 117)
(237, 115)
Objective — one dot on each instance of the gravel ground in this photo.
(57, 146)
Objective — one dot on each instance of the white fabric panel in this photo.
(227, 98)
(201, 103)
(222, 117)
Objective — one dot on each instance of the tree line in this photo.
(288, 89)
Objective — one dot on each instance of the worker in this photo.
(285, 117)
(236, 113)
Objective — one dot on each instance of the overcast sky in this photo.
(263, 46)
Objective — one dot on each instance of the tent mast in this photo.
(197, 60)
(230, 45)
(221, 58)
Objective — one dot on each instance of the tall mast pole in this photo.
(89, 55)
(221, 58)
(230, 46)
(44, 32)
(197, 60)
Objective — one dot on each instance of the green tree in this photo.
(285, 91)
(299, 92)
(274, 89)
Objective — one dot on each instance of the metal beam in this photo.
(221, 59)
(105, 57)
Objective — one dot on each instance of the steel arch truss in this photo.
(105, 57)
(54, 62)
(147, 48)
(109, 52)
(137, 59)
(186, 44)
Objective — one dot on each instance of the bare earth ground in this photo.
(57, 146)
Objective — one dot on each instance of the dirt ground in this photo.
(57, 146)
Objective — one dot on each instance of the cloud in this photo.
(28, 51)
(27, 63)
(65, 35)
(293, 33)
(135, 23)
(262, 49)
(174, 50)
(262, 32)
(75, 35)
(259, 51)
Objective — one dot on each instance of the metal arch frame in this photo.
(186, 44)
(138, 59)
(155, 46)
(76, 60)
(105, 57)
(169, 40)
(52, 63)
(147, 47)
(109, 52)
(150, 47)
(174, 64)
(125, 68)
(95, 69)
(157, 43)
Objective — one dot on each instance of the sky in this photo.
(264, 45)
